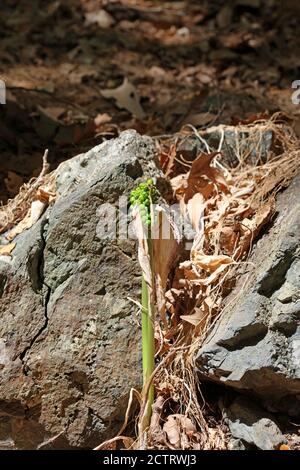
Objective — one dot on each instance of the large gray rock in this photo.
(255, 345)
(69, 336)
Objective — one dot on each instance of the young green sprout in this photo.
(142, 197)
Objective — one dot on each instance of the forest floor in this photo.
(200, 63)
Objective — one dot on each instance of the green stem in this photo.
(148, 345)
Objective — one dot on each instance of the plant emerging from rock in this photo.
(142, 199)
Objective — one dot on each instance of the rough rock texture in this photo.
(252, 426)
(69, 336)
(255, 345)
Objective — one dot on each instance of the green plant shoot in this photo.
(142, 197)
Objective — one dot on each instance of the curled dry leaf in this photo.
(166, 244)
(204, 269)
(143, 250)
(200, 189)
(189, 273)
(188, 426)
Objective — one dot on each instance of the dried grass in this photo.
(232, 218)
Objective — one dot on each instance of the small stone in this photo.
(252, 425)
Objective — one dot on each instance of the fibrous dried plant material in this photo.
(228, 208)
(25, 209)
(36, 210)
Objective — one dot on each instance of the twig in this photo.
(208, 150)
(49, 441)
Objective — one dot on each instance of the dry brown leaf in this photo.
(210, 262)
(195, 208)
(202, 177)
(165, 244)
(212, 278)
(101, 17)
(181, 432)
(229, 237)
(172, 429)
(6, 250)
(195, 318)
(187, 425)
(187, 267)
(126, 97)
